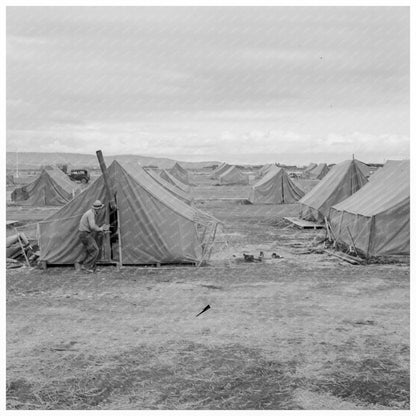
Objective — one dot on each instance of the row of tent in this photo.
(53, 187)
(371, 214)
(319, 171)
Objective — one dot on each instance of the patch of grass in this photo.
(194, 377)
(373, 381)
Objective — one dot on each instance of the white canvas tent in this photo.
(173, 180)
(51, 187)
(180, 173)
(342, 181)
(310, 167)
(221, 169)
(155, 226)
(174, 190)
(376, 219)
(319, 171)
(233, 176)
(275, 188)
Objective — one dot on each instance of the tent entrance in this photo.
(109, 243)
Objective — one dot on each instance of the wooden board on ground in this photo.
(303, 223)
(345, 257)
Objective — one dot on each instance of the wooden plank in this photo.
(345, 257)
(303, 223)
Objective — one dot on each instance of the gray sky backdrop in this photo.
(246, 84)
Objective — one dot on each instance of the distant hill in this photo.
(34, 160)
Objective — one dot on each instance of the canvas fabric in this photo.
(263, 170)
(378, 215)
(174, 190)
(233, 176)
(310, 167)
(180, 173)
(51, 187)
(275, 188)
(220, 170)
(319, 171)
(343, 180)
(156, 227)
(364, 168)
(166, 176)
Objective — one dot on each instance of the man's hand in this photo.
(105, 227)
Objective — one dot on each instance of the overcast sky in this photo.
(238, 84)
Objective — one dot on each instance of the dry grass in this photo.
(236, 378)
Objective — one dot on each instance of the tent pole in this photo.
(105, 177)
(111, 202)
(353, 243)
(120, 254)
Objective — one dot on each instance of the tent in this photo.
(173, 180)
(376, 219)
(310, 167)
(219, 167)
(155, 226)
(51, 187)
(342, 181)
(319, 171)
(275, 188)
(265, 169)
(220, 170)
(174, 190)
(233, 176)
(180, 173)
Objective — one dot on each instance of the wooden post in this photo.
(105, 177)
(112, 205)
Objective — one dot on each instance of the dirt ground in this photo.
(303, 331)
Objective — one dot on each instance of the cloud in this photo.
(200, 80)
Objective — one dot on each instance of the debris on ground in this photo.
(249, 258)
(13, 264)
(19, 248)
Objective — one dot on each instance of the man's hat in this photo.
(97, 204)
